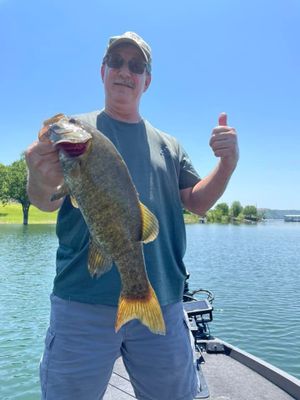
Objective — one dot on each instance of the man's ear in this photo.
(147, 81)
(102, 70)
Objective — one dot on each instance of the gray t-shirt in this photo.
(159, 168)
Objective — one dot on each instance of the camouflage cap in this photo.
(136, 40)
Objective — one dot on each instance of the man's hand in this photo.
(200, 198)
(224, 143)
(43, 162)
(45, 173)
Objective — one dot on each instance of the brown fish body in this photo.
(99, 182)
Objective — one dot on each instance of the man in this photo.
(81, 344)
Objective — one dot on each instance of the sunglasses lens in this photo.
(116, 61)
(136, 67)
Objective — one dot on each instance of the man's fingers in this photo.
(45, 149)
(222, 139)
(223, 119)
(53, 119)
(43, 134)
(222, 129)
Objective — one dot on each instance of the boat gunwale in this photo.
(288, 383)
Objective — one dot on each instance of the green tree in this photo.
(219, 214)
(236, 209)
(16, 186)
(223, 207)
(250, 212)
(214, 216)
(3, 184)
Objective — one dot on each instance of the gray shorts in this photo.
(81, 347)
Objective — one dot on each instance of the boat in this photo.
(225, 371)
(292, 218)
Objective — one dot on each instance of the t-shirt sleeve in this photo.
(188, 176)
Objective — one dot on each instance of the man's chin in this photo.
(121, 98)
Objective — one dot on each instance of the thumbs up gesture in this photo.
(224, 142)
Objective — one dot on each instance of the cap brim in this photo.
(130, 41)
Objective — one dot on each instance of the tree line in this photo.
(222, 213)
(13, 180)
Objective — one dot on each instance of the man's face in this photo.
(122, 85)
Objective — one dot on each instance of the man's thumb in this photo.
(223, 119)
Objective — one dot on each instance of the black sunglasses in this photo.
(135, 66)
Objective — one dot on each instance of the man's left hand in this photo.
(224, 143)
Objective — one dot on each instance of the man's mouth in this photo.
(130, 85)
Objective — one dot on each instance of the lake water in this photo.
(253, 271)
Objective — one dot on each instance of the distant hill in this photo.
(277, 214)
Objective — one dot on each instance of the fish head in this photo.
(69, 137)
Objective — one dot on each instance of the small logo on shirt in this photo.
(164, 151)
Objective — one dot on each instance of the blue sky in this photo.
(241, 57)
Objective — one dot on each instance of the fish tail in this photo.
(147, 310)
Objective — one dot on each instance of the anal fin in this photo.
(98, 261)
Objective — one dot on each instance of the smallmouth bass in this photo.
(99, 184)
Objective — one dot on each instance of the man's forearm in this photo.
(205, 193)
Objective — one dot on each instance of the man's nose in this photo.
(124, 70)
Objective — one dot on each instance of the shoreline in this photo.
(30, 223)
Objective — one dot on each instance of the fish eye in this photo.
(72, 121)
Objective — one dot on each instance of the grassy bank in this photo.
(190, 218)
(12, 214)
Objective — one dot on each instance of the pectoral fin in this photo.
(98, 261)
(62, 191)
(150, 224)
(74, 202)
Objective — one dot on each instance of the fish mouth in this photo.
(72, 149)
(69, 137)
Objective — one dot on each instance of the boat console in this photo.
(199, 312)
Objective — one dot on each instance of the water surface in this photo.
(253, 271)
(27, 256)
